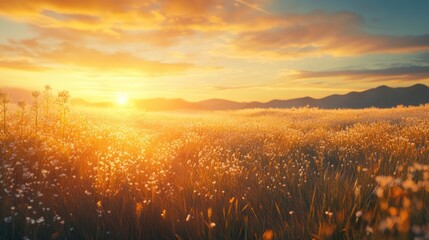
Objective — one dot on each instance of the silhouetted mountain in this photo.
(380, 97)
(163, 104)
(296, 102)
(18, 94)
(219, 104)
(78, 101)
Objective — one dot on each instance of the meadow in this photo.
(71, 172)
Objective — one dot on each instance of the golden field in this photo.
(86, 173)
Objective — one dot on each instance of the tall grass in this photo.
(250, 174)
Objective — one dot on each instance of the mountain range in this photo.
(380, 97)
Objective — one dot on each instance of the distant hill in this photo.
(78, 101)
(220, 104)
(162, 104)
(380, 97)
(18, 94)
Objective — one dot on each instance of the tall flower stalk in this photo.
(35, 107)
(4, 100)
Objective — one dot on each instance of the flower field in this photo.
(86, 173)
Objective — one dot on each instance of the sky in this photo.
(243, 50)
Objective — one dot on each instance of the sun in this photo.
(122, 100)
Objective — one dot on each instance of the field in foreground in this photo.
(250, 174)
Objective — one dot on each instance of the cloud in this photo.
(158, 23)
(401, 73)
(22, 49)
(157, 38)
(423, 58)
(18, 55)
(31, 55)
(128, 14)
(254, 6)
(21, 65)
(227, 88)
(319, 34)
(249, 29)
(91, 58)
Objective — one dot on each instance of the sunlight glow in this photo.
(122, 100)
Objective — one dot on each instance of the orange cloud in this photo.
(158, 38)
(319, 33)
(21, 65)
(249, 28)
(156, 22)
(403, 73)
(19, 56)
(20, 49)
(91, 58)
(30, 55)
(128, 14)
